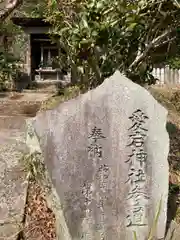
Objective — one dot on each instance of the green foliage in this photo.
(174, 188)
(175, 100)
(155, 221)
(174, 62)
(62, 96)
(135, 235)
(34, 165)
(32, 8)
(8, 69)
(11, 43)
(102, 36)
(9, 64)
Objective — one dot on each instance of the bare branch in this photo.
(167, 41)
(151, 45)
(9, 8)
(153, 24)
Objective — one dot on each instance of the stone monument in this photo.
(106, 153)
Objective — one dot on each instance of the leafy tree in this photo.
(8, 70)
(9, 33)
(12, 38)
(100, 36)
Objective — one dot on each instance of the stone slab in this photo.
(106, 153)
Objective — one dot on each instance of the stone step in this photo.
(13, 122)
(11, 108)
(13, 178)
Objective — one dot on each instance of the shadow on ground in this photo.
(174, 153)
(174, 180)
(3, 94)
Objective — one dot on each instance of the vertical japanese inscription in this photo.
(137, 159)
(96, 190)
(94, 154)
(95, 149)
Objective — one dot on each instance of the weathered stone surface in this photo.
(52, 197)
(13, 184)
(106, 153)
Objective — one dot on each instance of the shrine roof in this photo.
(30, 22)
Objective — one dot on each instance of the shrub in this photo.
(9, 69)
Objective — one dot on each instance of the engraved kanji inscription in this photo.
(136, 178)
(141, 156)
(138, 119)
(136, 175)
(100, 174)
(87, 192)
(96, 134)
(137, 139)
(136, 217)
(95, 150)
(136, 192)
